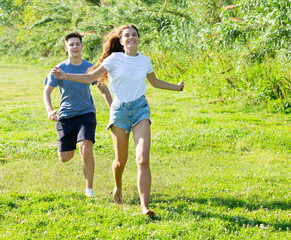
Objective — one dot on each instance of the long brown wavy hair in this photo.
(111, 45)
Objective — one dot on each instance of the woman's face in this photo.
(129, 38)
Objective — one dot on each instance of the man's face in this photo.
(74, 47)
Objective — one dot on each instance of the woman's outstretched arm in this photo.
(81, 78)
(157, 83)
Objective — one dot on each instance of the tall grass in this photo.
(252, 38)
(227, 75)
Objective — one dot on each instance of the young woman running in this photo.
(127, 73)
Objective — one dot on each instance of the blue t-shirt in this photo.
(76, 98)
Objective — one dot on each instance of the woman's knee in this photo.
(119, 162)
(142, 160)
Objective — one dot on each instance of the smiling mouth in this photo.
(130, 43)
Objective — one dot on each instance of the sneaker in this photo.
(89, 192)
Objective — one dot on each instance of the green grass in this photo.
(220, 171)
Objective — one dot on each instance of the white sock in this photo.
(89, 192)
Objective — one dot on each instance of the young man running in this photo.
(76, 120)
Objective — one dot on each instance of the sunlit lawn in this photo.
(220, 171)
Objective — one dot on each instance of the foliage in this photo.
(228, 33)
(169, 24)
(261, 28)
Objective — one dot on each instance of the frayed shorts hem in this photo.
(126, 130)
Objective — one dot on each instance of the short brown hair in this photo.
(73, 35)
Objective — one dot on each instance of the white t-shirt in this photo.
(127, 75)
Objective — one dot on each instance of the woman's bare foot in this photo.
(146, 211)
(117, 195)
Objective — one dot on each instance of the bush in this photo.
(250, 37)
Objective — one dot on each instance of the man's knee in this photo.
(66, 156)
(86, 147)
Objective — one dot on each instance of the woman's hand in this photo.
(58, 73)
(180, 86)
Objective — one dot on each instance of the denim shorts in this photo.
(75, 129)
(127, 114)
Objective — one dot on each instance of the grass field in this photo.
(220, 171)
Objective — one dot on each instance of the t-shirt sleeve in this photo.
(108, 62)
(51, 80)
(150, 67)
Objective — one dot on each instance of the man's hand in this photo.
(53, 115)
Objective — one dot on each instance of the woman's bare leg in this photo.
(142, 140)
(120, 142)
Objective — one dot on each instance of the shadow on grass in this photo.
(181, 206)
(242, 221)
(225, 202)
(15, 200)
(3, 161)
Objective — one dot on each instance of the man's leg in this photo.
(86, 139)
(86, 151)
(67, 138)
(66, 156)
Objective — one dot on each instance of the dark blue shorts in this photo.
(75, 129)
